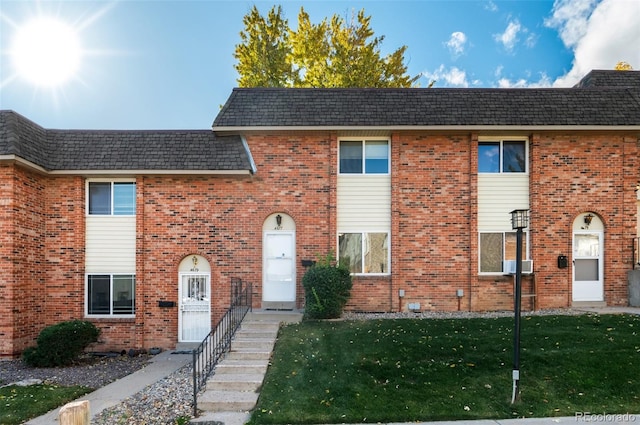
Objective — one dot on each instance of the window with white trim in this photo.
(496, 247)
(364, 253)
(502, 156)
(111, 198)
(364, 157)
(111, 294)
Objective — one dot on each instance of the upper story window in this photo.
(112, 198)
(364, 157)
(504, 156)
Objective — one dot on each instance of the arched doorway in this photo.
(588, 238)
(279, 262)
(194, 286)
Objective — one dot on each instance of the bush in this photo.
(327, 287)
(61, 344)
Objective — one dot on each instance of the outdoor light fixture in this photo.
(519, 220)
(588, 218)
(279, 220)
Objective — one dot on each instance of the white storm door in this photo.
(194, 321)
(587, 267)
(279, 281)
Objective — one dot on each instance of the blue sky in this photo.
(169, 64)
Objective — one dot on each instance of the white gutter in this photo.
(102, 172)
(240, 129)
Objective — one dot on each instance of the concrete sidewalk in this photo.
(159, 367)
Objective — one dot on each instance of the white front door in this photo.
(279, 271)
(194, 320)
(587, 267)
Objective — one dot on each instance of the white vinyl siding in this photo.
(111, 244)
(364, 203)
(498, 195)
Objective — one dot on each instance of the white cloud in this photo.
(509, 37)
(531, 40)
(457, 43)
(491, 6)
(571, 18)
(600, 34)
(543, 82)
(452, 77)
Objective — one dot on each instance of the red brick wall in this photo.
(8, 284)
(431, 210)
(573, 174)
(23, 272)
(433, 239)
(64, 252)
(221, 218)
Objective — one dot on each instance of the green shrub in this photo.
(327, 287)
(61, 344)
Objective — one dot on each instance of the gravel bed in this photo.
(158, 404)
(161, 403)
(457, 314)
(90, 371)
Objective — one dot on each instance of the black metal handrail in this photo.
(211, 350)
(636, 253)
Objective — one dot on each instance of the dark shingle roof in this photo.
(432, 107)
(169, 150)
(608, 78)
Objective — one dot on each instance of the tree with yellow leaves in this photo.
(332, 53)
(623, 66)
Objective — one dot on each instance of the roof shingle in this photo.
(617, 103)
(170, 150)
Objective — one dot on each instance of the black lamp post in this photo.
(519, 220)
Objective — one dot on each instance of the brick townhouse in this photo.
(142, 232)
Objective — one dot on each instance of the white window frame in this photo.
(525, 239)
(363, 142)
(363, 249)
(501, 141)
(112, 182)
(111, 294)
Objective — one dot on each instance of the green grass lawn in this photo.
(435, 369)
(17, 404)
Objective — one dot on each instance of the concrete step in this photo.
(251, 362)
(252, 344)
(249, 354)
(265, 327)
(274, 316)
(256, 334)
(241, 368)
(219, 418)
(235, 382)
(227, 401)
(237, 379)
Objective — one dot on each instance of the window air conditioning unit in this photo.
(509, 266)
